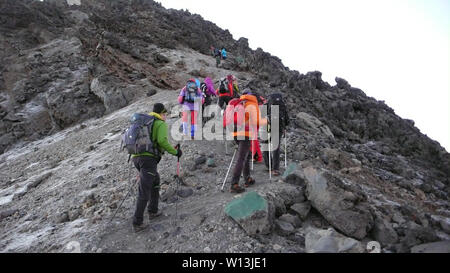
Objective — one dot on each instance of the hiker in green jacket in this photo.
(146, 163)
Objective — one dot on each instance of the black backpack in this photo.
(277, 99)
(223, 87)
(137, 137)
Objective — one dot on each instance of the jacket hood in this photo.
(156, 115)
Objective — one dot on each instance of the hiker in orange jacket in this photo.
(243, 135)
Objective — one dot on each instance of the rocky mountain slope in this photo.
(71, 76)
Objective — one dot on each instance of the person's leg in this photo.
(184, 119)
(151, 168)
(257, 150)
(276, 160)
(246, 167)
(145, 184)
(193, 122)
(242, 157)
(221, 102)
(266, 157)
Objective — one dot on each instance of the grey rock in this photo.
(284, 228)
(313, 125)
(210, 162)
(297, 178)
(63, 217)
(436, 247)
(185, 192)
(35, 181)
(439, 185)
(445, 224)
(292, 219)
(330, 241)
(200, 160)
(7, 213)
(383, 232)
(198, 219)
(301, 209)
(324, 191)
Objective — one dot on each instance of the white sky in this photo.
(396, 51)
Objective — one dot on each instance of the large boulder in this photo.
(252, 212)
(330, 241)
(346, 211)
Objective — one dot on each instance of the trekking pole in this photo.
(178, 183)
(229, 167)
(285, 150)
(226, 146)
(129, 179)
(251, 152)
(270, 161)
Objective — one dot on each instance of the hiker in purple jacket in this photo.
(190, 97)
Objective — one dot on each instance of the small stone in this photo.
(207, 249)
(210, 162)
(284, 228)
(185, 192)
(445, 224)
(301, 209)
(277, 247)
(200, 160)
(292, 219)
(63, 217)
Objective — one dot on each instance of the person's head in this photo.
(159, 109)
(247, 91)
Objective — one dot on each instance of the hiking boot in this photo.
(250, 181)
(152, 215)
(139, 228)
(235, 188)
(276, 172)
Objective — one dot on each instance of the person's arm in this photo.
(163, 140)
(181, 97)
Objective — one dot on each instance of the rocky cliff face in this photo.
(72, 75)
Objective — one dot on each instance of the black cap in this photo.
(159, 108)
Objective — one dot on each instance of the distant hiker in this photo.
(224, 53)
(190, 97)
(283, 119)
(147, 162)
(208, 91)
(218, 56)
(227, 90)
(244, 112)
(212, 50)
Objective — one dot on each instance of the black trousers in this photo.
(224, 100)
(275, 158)
(148, 187)
(243, 161)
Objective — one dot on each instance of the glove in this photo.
(179, 153)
